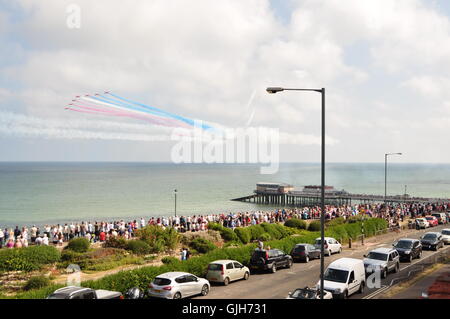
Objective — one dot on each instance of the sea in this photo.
(59, 192)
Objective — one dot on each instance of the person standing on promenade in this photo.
(2, 238)
(33, 233)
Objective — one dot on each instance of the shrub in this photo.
(28, 258)
(159, 239)
(116, 242)
(265, 237)
(295, 223)
(80, 245)
(202, 245)
(335, 222)
(170, 260)
(243, 234)
(37, 282)
(70, 255)
(314, 225)
(138, 247)
(256, 232)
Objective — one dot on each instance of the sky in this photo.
(385, 65)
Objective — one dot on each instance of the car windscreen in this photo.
(299, 248)
(404, 244)
(446, 232)
(336, 275)
(161, 281)
(304, 294)
(215, 267)
(377, 256)
(429, 236)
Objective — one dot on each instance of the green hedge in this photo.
(159, 239)
(37, 282)
(139, 247)
(314, 225)
(79, 245)
(227, 234)
(202, 245)
(244, 234)
(28, 258)
(296, 223)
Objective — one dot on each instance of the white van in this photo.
(344, 277)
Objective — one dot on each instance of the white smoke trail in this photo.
(14, 124)
(20, 125)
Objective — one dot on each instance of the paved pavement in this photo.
(278, 285)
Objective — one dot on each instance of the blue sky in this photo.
(385, 65)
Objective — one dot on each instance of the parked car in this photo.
(309, 293)
(331, 245)
(177, 285)
(408, 248)
(433, 221)
(270, 260)
(422, 223)
(344, 277)
(432, 240)
(383, 260)
(305, 252)
(441, 217)
(446, 236)
(225, 271)
(73, 292)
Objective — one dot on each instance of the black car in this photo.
(432, 240)
(270, 260)
(305, 252)
(408, 248)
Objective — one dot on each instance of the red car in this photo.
(433, 221)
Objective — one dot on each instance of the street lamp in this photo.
(175, 193)
(273, 90)
(385, 174)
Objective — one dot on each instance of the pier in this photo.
(285, 195)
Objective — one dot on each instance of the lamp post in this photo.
(385, 174)
(273, 90)
(175, 193)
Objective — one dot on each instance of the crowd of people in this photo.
(101, 231)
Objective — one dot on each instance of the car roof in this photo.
(432, 232)
(70, 290)
(407, 239)
(224, 261)
(345, 263)
(173, 274)
(382, 250)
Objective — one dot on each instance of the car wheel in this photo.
(384, 273)
(340, 250)
(226, 281)
(205, 290)
(306, 259)
(177, 296)
(246, 275)
(274, 268)
(345, 295)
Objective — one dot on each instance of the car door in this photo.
(239, 270)
(313, 251)
(192, 285)
(353, 283)
(183, 286)
(230, 271)
(331, 245)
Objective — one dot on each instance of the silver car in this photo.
(177, 285)
(383, 260)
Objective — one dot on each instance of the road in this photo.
(278, 285)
